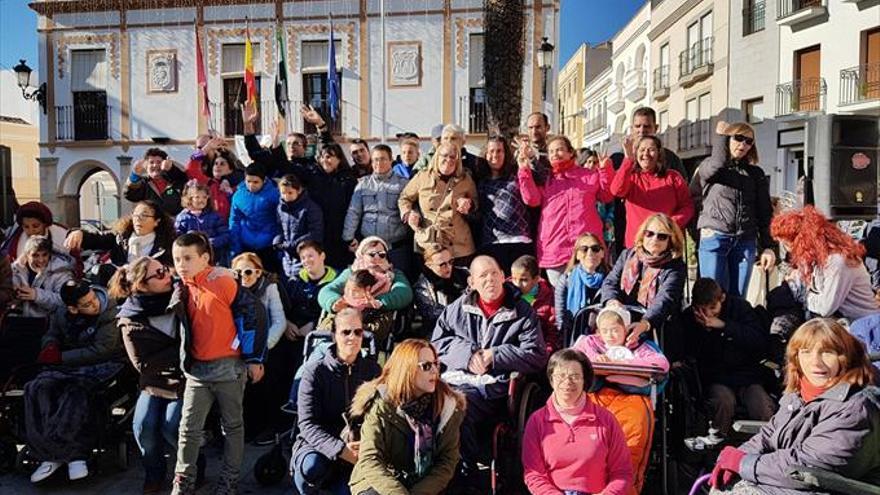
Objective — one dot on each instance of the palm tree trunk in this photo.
(503, 62)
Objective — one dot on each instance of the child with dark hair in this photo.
(156, 178)
(305, 285)
(33, 218)
(301, 220)
(223, 333)
(526, 276)
(198, 216)
(728, 340)
(253, 222)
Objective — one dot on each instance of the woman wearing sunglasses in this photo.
(650, 275)
(411, 421)
(581, 281)
(735, 215)
(440, 283)
(326, 448)
(150, 334)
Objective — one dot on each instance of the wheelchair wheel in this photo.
(270, 468)
(122, 455)
(529, 402)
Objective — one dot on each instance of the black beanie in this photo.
(73, 291)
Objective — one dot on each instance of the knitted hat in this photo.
(620, 312)
(73, 291)
(34, 209)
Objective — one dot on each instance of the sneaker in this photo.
(183, 486)
(77, 470)
(45, 470)
(226, 485)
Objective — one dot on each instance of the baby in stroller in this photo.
(627, 381)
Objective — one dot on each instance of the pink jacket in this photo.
(646, 194)
(590, 455)
(568, 209)
(593, 346)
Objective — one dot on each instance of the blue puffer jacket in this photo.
(300, 220)
(209, 222)
(253, 222)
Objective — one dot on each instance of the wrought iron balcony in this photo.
(661, 82)
(693, 135)
(802, 95)
(86, 120)
(695, 63)
(789, 12)
(860, 83)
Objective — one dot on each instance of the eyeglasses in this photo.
(569, 377)
(160, 274)
(661, 236)
(247, 272)
(358, 332)
(739, 138)
(592, 247)
(443, 264)
(141, 216)
(377, 254)
(427, 366)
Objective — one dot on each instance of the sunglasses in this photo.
(739, 138)
(377, 254)
(661, 236)
(443, 264)
(358, 332)
(160, 274)
(247, 272)
(592, 247)
(427, 366)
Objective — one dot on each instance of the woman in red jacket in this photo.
(649, 187)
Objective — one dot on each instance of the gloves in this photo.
(51, 354)
(726, 466)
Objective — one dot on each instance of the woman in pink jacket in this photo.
(649, 187)
(573, 445)
(568, 203)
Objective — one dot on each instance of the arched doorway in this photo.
(98, 200)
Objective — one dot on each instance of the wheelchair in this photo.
(271, 467)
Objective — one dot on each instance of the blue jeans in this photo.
(155, 423)
(728, 260)
(313, 473)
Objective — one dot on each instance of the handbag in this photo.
(761, 283)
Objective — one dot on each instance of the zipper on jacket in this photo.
(348, 385)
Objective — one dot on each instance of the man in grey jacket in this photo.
(373, 210)
(482, 337)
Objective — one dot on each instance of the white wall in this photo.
(625, 45)
(12, 104)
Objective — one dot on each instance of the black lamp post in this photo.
(545, 63)
(23, 72)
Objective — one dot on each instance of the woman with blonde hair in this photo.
(829, 418)
(582, 279)
(438, 202)
(734, 220)
(411, 420)
(651, 274)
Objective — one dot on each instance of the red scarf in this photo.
(642, 269)
(160, 184)
(560, 166)
(489, 308)
(810, 391)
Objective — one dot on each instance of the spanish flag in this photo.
(249, 81)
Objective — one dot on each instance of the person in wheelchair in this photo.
(37, 275)
(410, 426)
(625, 395)
(59, 421)
(651, 274)
(324, 453)
(581, 281)
(482, 337)
(829, 418)
(573, 445)
(440, 283)
(728, 340)
(526, 276)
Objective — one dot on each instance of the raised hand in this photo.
(139, 168)
(628, 145)
(166, 165)
(74, 240)
(721, 127)
(312, 116)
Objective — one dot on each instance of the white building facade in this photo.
(630, 61)
(597, 129)
(120, 82)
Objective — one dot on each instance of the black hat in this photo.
(73, 291)
(407, 134)
(256, 169)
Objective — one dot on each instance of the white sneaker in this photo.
(45, 470)
(77, 470)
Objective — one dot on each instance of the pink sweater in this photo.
(590, 455)
(646, 194)
(568, 209)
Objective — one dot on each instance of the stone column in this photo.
(125, 206)
(49, 187)
(68, 206)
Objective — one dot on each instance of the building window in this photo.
(476, 105)
(88, 117)
(234, 89)
(753, 16)
(316, 88)
(705, 106)
(753, 110)
(699, 46)
(663, 121)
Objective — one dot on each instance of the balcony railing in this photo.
(785, 8)
(473, 114)
(699, 55)
(635, 84)
(616, 102)
(860, 83)
(803, 95)
(753, 18)
(227, 120)
(692, 135)
(596, 123)
(661, 81)
(82, 122)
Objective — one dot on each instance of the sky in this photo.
(589, 21)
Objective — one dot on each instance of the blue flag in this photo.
(332, 79)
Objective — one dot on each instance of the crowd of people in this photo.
(467, 269)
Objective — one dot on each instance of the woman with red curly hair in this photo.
(829, 276)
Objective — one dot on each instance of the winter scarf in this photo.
(140, 245)
(810, 391)
(419, 416)
(561, 166)
(642, 269)
(145, 305)
(579, 280)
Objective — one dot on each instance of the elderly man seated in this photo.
(481, 338)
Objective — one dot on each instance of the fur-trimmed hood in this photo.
(368, 393)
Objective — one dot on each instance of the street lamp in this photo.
(23, 72)
(545, 62)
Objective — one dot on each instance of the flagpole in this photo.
(384, 69)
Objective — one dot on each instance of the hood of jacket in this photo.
(371, 393)
(58, 264)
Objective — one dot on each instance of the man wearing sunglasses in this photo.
(482, 337)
